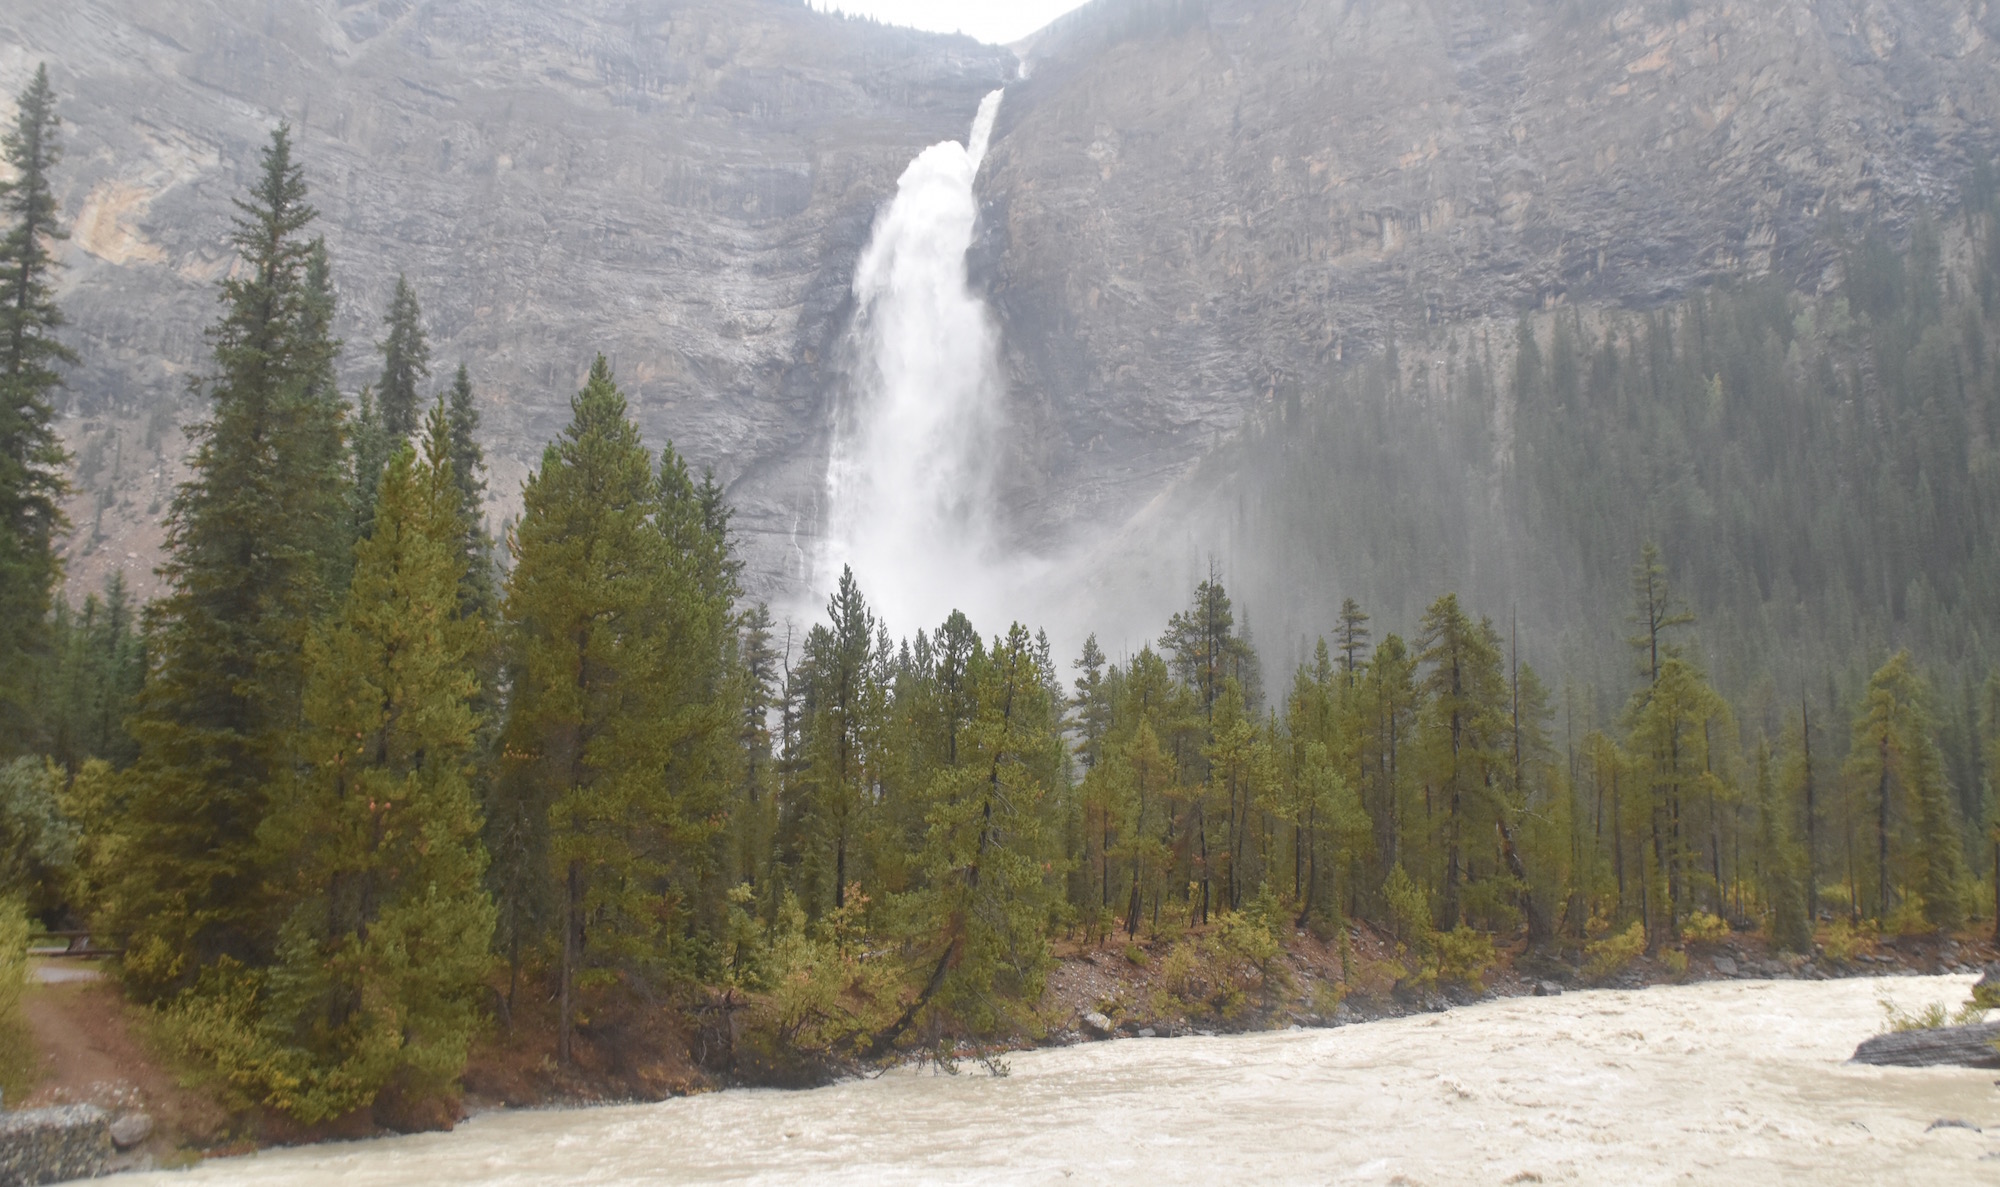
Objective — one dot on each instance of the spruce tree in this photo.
(1896, 770)
(32, 459)
(477, 594)
(1672, 732)
(979, 921)
(616, 745)
(844, 696)
(98, 665)
(371, 448)
(406, 362)
(1464, 726)
(255, 544)
(374, 843)
(1782, 863)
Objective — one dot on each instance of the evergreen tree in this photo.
(99, 665)
(980, 918)
(1465, 724)
(1655, 612)
(477, 594)
(1784, 896)
(406, 362)
(371, 449)
(1673, 733)
(375, 842)
(843, 697)
(756, 808)
(254, 548)
(32, 459)
(1351, 636)
(619, 732)
(1894, 767)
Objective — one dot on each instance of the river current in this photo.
(1737, 1082)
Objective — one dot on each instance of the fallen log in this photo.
(1944, 1046)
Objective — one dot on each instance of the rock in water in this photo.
(1944, 1046)
(131, 1129)
(1548, 989)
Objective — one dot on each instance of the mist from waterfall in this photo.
(910, 479)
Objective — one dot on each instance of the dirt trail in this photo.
(91, 1052)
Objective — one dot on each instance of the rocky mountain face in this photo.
(1196, 203)
(683, 185)
(1189, 205)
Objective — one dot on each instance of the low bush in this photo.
(1704, 928)
(1609, 956)
(1844, 941)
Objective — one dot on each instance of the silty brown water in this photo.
(1741, 1082)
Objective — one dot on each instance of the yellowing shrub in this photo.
(1611, 954)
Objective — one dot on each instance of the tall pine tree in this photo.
(618, 740)
(374, 843)
(32, 459)
(255, 552)
(406, 362)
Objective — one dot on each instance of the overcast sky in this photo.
(997, 21)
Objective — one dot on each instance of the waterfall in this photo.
(910, 500)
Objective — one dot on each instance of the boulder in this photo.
(1725, 966)
(1097, 1023)
(1548, 989)
(131, 1129)
(1943, 1046)
(54, 1145)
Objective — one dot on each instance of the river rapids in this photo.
(1738, 1082)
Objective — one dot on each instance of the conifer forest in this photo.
(367, 785)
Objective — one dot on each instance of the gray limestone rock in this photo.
(1192, 208)
(131, 1129)
(53, 1145)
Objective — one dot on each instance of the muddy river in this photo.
(1736, 1082)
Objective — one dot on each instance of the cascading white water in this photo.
(910, 502)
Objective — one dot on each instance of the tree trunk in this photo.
(1882, 832)
(572, 942)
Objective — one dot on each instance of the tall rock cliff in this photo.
(683, 185)
(1195, 203)
(1189, 206)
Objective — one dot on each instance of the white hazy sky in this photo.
(997, 21)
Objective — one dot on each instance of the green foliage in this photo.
(1845, 941)
(1704, 928)
(617, 737)
(257, 549)
(386, 935)
(14, 931)
(1464, 957)
(38, 842)
(99, 666)
(1607, 957)
(979, 917)
(1929, 1017)
(1894, 768)
(406, 361)
(32, 459)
